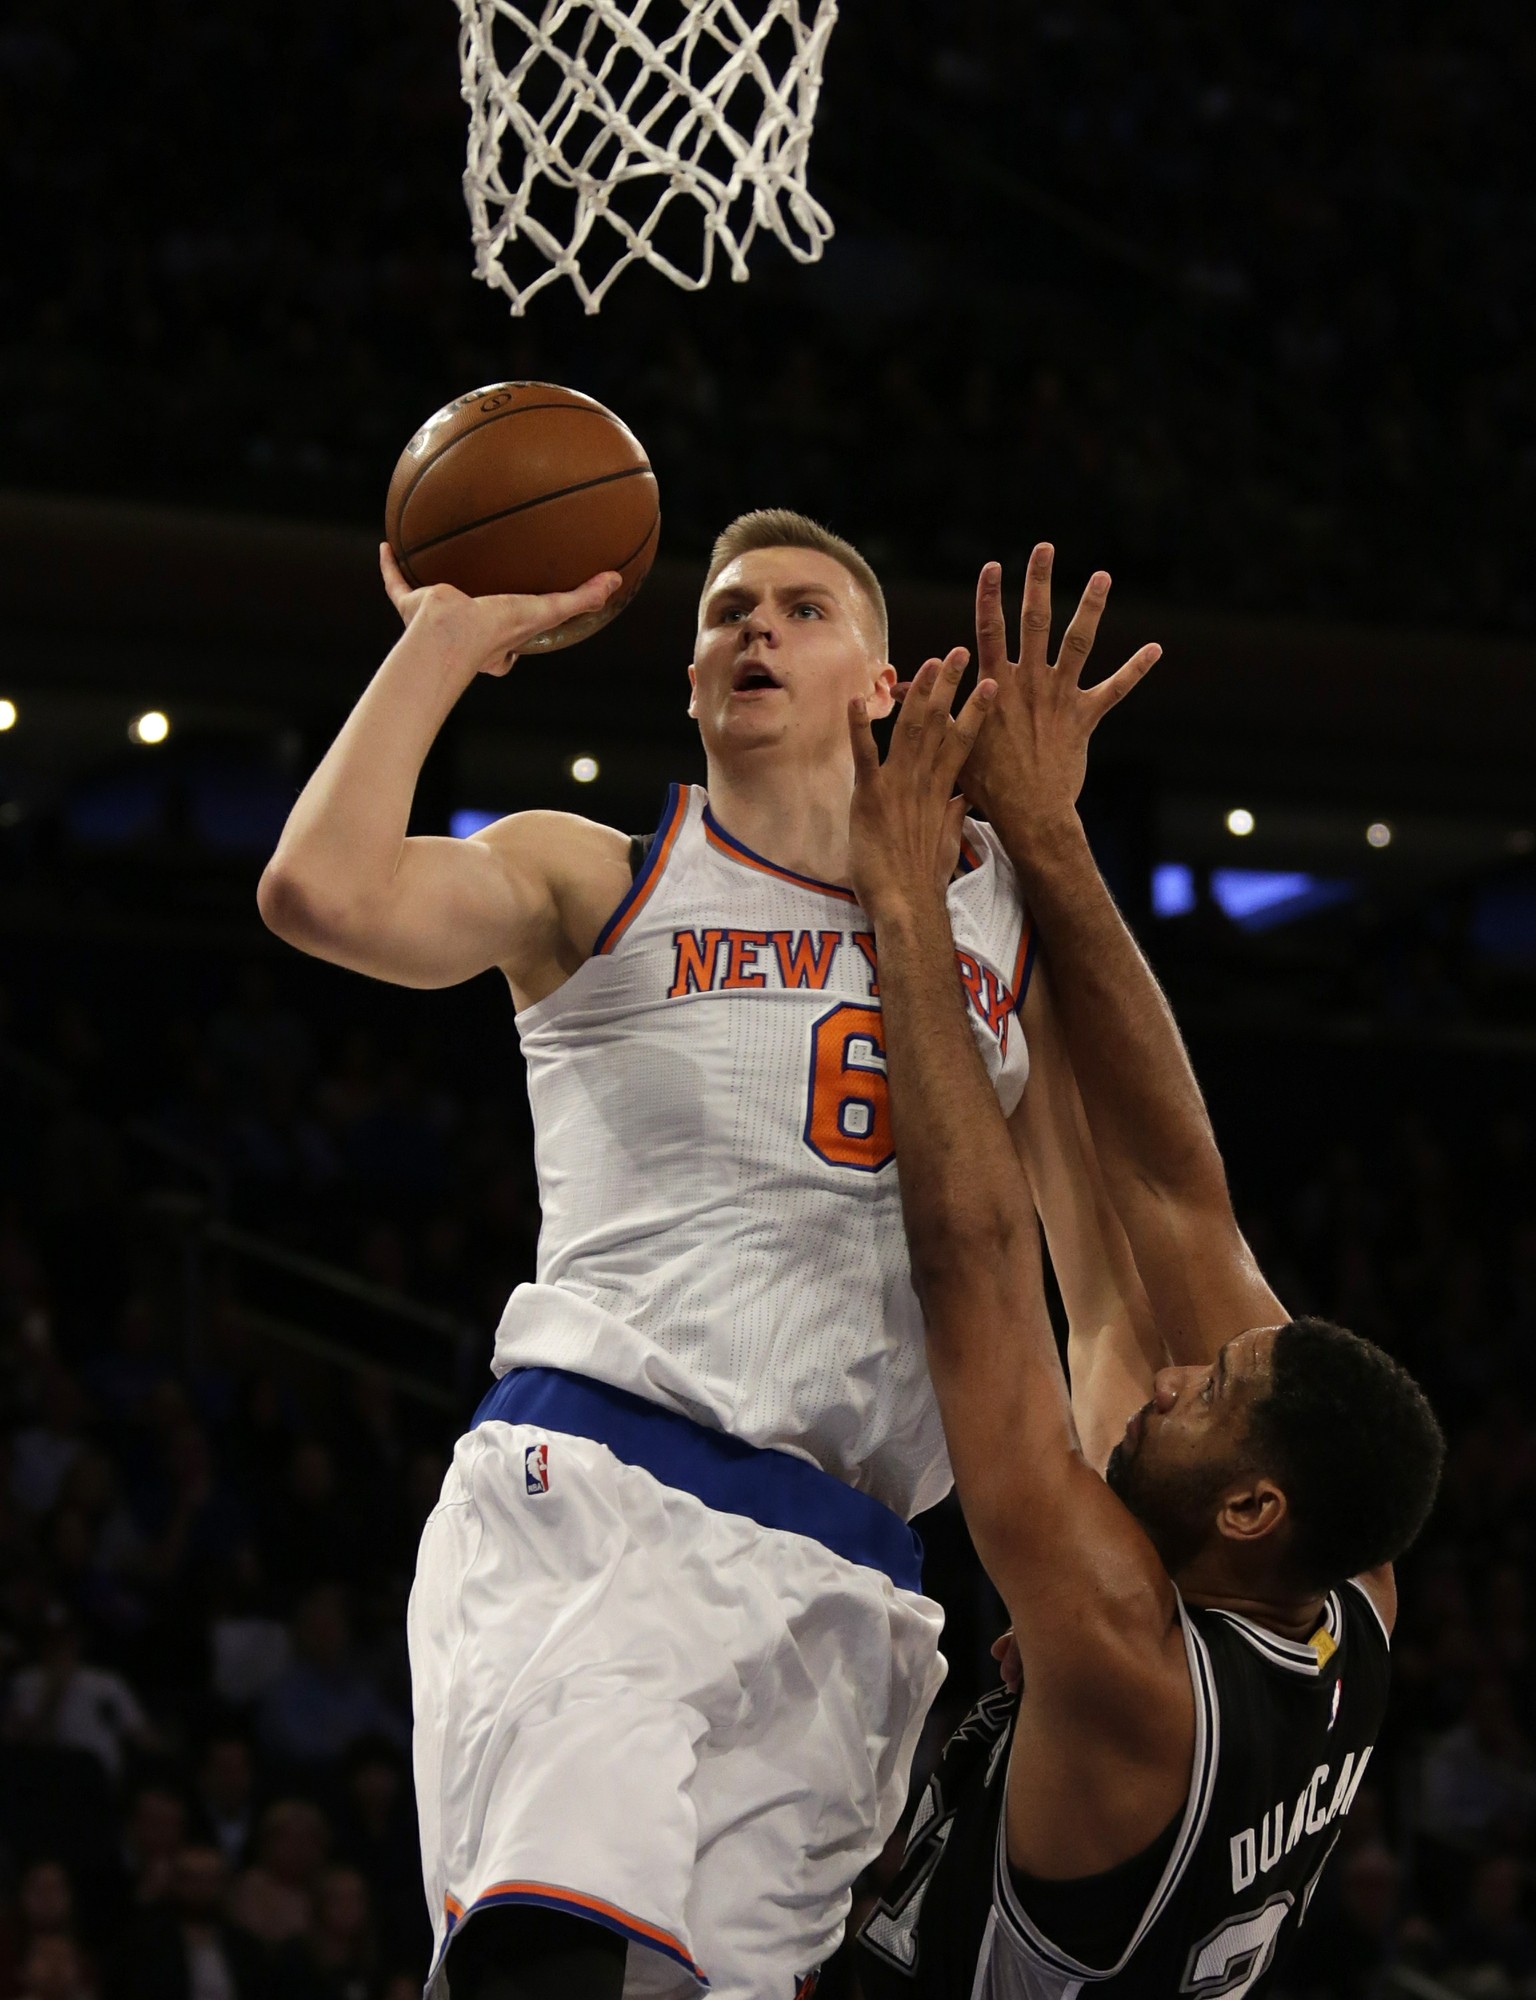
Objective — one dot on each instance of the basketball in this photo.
(523, 488)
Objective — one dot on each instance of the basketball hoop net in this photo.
(623, 108)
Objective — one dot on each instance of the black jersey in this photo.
(1283, 1735)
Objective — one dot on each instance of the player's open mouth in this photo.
(752, 678)
(1137, 1425)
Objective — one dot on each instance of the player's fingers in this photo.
(559, 605)
(914, 710)
(866, 754)
(991, 626)
(966, 726)
(1077, 640)
(1120, 683)
(395, 584)
(946, 682)
(1035, 626)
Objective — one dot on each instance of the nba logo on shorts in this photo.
(536, 1461)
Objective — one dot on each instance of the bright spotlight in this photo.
(153, 726)
(1240, 821)
(1378, 833)
(7, 715)
(583, 769)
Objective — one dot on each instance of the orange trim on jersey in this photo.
(728, 845)
(968, 854)
(550, 1894)
(1023, 963)
(644, 884)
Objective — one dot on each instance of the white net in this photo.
(600, 128)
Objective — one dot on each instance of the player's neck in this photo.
(1288, 1614)
(789, 812)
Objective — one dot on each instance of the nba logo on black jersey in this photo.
(536, 1464)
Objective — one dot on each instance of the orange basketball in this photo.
(525, 487)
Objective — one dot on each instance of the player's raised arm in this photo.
(1096, 1610)
(1149, 1123)
(346, 884)
(1113, 1344)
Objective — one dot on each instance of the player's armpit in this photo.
(1106, 1730)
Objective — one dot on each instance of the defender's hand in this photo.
(484, 635)
(904, 827)
(1031, 761)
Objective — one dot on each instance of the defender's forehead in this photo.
(1248, 1356)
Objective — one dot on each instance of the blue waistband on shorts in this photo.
(733, 1477)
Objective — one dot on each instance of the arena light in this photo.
(153, 726)
(1258, 899)
(583, 769)
(7, 715)
(1378, 833)
(470, 819)
(1240, 821)
(1173, 889)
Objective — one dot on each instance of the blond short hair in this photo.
(782, 528)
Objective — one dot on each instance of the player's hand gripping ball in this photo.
(521, 489)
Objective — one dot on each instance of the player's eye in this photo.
(731, 614)
(814, 609)
(1208, 1393)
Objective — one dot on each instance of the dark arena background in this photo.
(1232, 301)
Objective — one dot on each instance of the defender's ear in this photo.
(1252, 1511)
(693, 689)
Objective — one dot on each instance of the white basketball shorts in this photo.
(660, 1716)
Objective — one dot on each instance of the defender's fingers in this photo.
(945, 683)
(991, 626)
(966, 726)
(919, 696)
(1035, 627)
(1077, 640)
(1120, 683)
(866, 753)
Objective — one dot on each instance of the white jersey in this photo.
(722, 1225)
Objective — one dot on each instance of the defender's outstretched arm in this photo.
(1150, 1127)
(1113, 1346)
(1110, 1718)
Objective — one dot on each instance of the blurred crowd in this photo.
(206, 1538)
(1226, 298)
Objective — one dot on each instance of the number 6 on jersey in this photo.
(847, 1108)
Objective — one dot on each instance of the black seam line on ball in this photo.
(649, 535)
(655, 524)
(505, 513)
(497, 417)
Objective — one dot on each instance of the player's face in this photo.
(1185, 1447)
(786, 640)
